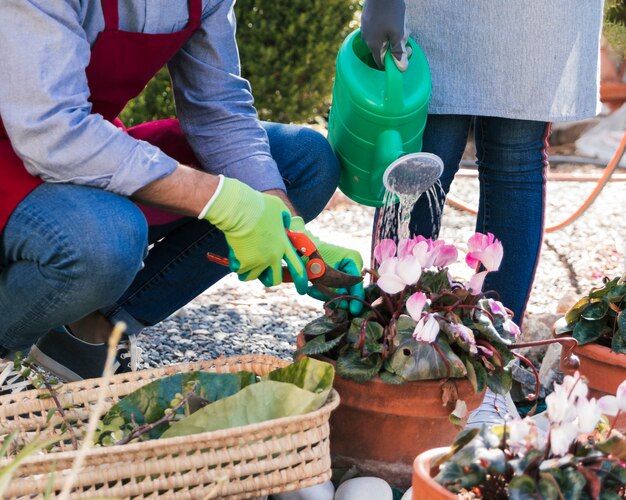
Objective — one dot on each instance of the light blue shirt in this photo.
(44, 50)
(527, 60)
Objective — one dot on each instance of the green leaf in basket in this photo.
(148, 403)
(308, 373)
(297, 389)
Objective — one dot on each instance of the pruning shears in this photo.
(321, 275)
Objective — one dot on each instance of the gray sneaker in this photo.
(70, 358)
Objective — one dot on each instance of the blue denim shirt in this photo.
(44, 50)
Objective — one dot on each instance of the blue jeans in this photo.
(69, 250)
(512, 161)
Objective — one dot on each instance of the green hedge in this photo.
(287, 49)
(615, 24)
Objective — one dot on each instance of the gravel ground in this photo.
(246, 318)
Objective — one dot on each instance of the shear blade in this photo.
(334, 278)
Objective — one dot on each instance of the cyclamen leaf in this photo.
(522, 488)
(617, 294)
(391, 378)
(548, 487)
(615, 445)
(323, 326)
(596, 310)
(587, 331)
(318, 345)
(619, 337)
(352, 366)
(373, 333)
(413, 360)
(574, 312)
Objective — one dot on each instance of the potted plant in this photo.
(570, 451)
(418, 357)
(597, 321)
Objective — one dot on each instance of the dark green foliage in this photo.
(154, 103)
(288, 50)
(599, 316)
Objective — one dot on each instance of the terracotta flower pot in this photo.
(603, 369)
(381, 428)
(424, 486)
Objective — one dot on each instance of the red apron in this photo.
(121, 65)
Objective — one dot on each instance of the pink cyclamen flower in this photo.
(395, 274)
(612, 405)
(415, 305)
(475, 284)
(463, 332)
(444, 254)
(589, 414)
(561, 438)
(427, 329)
(422, 250)
(485, 249)
(496, 307)
(385, 249)
(510, 327)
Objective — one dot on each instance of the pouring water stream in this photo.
(406, 179)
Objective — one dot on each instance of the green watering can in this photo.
(376, 116)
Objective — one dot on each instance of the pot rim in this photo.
(422, 469)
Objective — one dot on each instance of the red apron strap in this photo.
(195, 13)
(110, 11)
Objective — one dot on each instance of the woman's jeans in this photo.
(69, 250)
(512, 161)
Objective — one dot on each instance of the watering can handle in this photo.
(394, 99)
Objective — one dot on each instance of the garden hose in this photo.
(602, 181)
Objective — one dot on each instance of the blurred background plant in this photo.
(287, 50)
(615, 24)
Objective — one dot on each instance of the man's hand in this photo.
(383, 26)
(254, 225)
(344, 259)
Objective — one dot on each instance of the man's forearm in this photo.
(186, 191)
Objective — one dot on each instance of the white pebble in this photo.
(324, 491)
(364, 488)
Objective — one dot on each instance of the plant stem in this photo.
(57, 403)
(531, 397)
(496, 354)
(443, 357)
(96, 411)
(168, 417)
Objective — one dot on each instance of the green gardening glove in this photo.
(254, 225)
(343, 259)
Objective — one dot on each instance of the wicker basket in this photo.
(239, 463)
